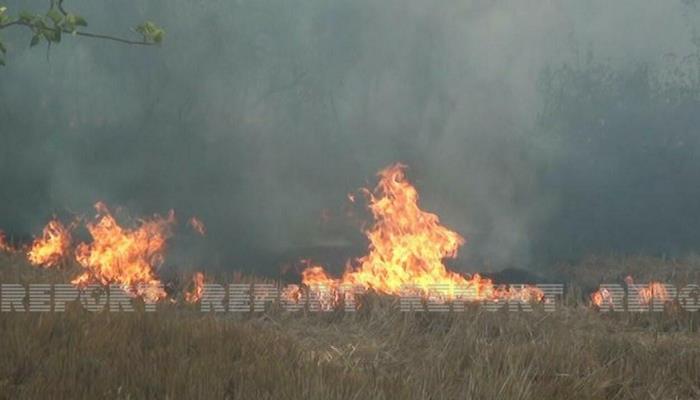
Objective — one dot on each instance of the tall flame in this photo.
(127, 257)
(52, 247)
(406, 247)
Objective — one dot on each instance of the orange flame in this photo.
(654, 290)
(198, 226)
(52, 247)
(127, 257)
(644, 295)
(198, 288)
(600, 297)
(406, 247)
(5, 247)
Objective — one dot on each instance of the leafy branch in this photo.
(52, 25)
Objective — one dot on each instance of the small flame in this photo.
(406, 247)
(600, 297)
(644, 296)
(198, 288)
(5, 247)
(52, 247)
(654, 290)
(198, 226)
(127, 257)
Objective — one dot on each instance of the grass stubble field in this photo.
(377, 352)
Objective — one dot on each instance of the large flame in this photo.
(52, 247)
(406, 248)
(127, 257)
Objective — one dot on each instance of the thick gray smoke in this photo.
(258, 115)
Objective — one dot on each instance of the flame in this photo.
(600, 297)
(198, 288)
(406, 247)
(644, 295)
(654, 290)
(52, 247)
(5, 247)
(198, 226)
(127, 257)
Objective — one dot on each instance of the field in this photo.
(377, 352)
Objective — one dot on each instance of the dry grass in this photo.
(377, 353)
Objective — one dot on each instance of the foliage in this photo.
(49, 27)
(151, 32)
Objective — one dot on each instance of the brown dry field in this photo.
(375, 353)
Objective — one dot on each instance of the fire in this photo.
(5, 247)
(644, 295)
(654, 290)
(407, 246)
(52, 247)
(600, 297)
(198, 226)
(127, 257)
(198, 288)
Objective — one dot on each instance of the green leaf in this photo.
(73, 20)
(80, 21)
(55, 16)
(26, 16)
(2, 62)
(53, 35)
(158, 36)
(151, 32)
(3, 50)
(35, 40)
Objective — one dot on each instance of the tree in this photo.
(51, 26)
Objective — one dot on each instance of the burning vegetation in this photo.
(407, 246)
(5, 247)
(52, 247)
(195, 294)
(642, 295)
(122, 256)
(646, 294)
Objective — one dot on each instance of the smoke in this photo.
(257, 115)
